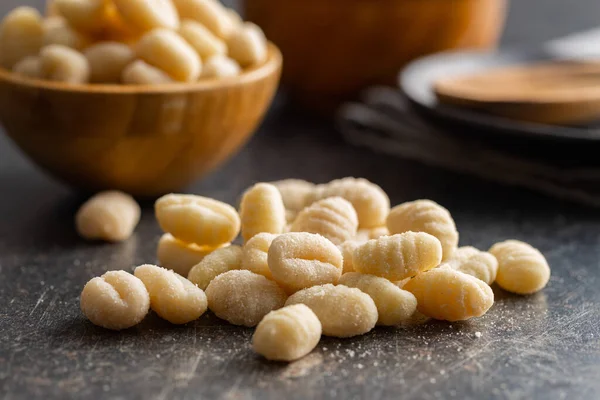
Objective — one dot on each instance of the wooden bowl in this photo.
(335, 48)
(145, 140)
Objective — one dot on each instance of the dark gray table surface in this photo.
(544, 346)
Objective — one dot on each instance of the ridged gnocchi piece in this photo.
(142, 73)
(209, 13)
(111, 216)
(166, 50)
(21, 35)
(394, 305)
(343, 311)
(64, 64)
(243, 298)
(146, 15)
(58, 31)
(425, 216)
(522, 269)
(347, 248)
(202, 39)
(255, 254)
(300, 260)
(107, 61)
(371, 203)
(287, 334)
(262, 210)
(172, 297)
(220, 66)
(197, 219)
(248, 45)
(116, 300)
(364, 235)
(30, 67)
(333, 218)
(399, 256)
(180, 256)
(295, 194)
(214, 264)
(446, 294)
(84, 15)
(480, 264)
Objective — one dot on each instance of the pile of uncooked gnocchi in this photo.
(138, 42)
(329, 259)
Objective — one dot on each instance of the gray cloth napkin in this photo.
(384, 122)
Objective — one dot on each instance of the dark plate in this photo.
(417, 79)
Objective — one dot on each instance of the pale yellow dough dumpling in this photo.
(243, 297)
(21, 35)
(522, 268)
(116, 300)
(262, 210)
(446, 294)
(425, 216)
(343, 311)
(197, 219)
(172, 297)
(287, 334)
(398, 257)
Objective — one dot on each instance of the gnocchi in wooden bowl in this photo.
(143, 97)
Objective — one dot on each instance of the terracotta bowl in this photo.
(145, 140)
(335, 48)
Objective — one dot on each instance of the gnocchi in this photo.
(58, 31)
(172, 297)
(343, 311)
(243, 298)
(522, 269)
(480, 264)
(142, 73)
(261, 210)
(201, 39)
(287, 334)
(399, 256)
(63, 64)
(166, 50)
(146, 15)
(333, 218)
(446, 294)
(111, 216)
(107, 61)
(197, 219)
(255, 254)
(21, 35)
(209, 13)
(371, 203)
(180, 256)
(220, 66)
(247, 45)
(116, 300)
(300, 260)
(394, 305)
(84, 15)
(216, 263)
(425, 216)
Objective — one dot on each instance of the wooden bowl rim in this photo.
(255, 73)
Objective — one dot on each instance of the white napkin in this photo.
(384, 122)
